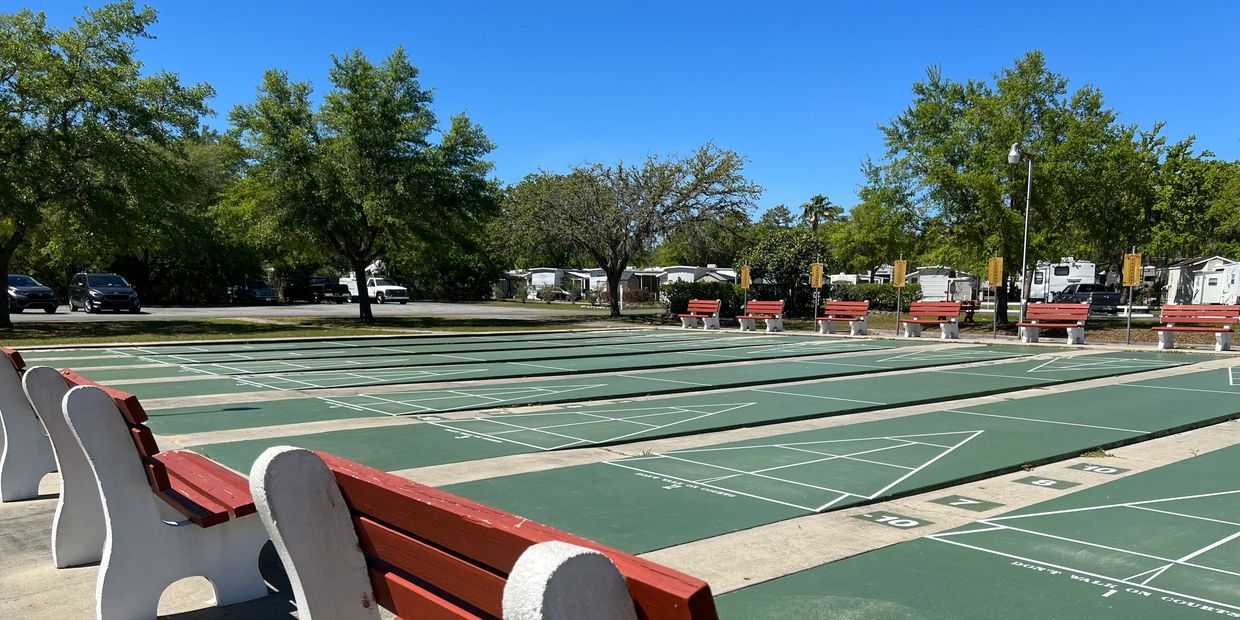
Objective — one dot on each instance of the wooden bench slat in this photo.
(409, 600)
(460, 578)
(126, 402)
(495, 539)
(15, 358)
(144, 440)
(199, 484)
(1190, 328)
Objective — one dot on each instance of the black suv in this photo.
(252, 292)
(26, 292)
(93, 292)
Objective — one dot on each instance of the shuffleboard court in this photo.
(1161, 544)
(370, 362)
(234, 415)
(207, 384)
(429, 443)
(127, 352)
(650, 502)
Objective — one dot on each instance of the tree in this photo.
(85, 138)
(778, 216)
(360, 173)
(613, 213)
(887, 224)
(782, 259)
(820, 209)
(953, 142)
(703, 243)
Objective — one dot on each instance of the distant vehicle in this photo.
(25, 292)
(1048, 279)
(380, 289)
(1099, 298)
(96, 292)
(252, 292)
(316, 289)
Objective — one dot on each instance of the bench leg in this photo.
(309, 524)
(688, 322)
(559, 581)
(826, 327)
(860, 327)
(1076, 335)
(774, 325)
(1029, 334)
(912, 330)
(1222, 341)
(1166, 340)
(26, 454)
(710, 322)
(748, 325)
(951, 331)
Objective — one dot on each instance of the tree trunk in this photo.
(1001, 305)
(613, 289)
(6, 256)
(363, 296)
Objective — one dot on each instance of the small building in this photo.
(1181, 277)
(940, 283)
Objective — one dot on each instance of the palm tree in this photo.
(820, 209)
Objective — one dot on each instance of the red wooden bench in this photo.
(1217, 319)
(168, 515)
(426, 553)
(1071, 317)
(771, 311)
(704, 310)
(945, 314)
(854, 312)
(26, 455)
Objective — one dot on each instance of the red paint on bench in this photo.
(701, 308)
(933, 312)
(763, 310)
(15, 358)
(434, 554)
(844, 310)
(1055, 315)
(206, 492)
(1199, 315)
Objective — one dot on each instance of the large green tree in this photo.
(1091, 174)
(360, 173)
(614, 213)
(85, 138)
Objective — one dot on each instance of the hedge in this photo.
(880, 296)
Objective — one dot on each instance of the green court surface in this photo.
(417, 445)
(485, 371)
(649, 502)
(432, 401)
(646, 346)
(1161, 544)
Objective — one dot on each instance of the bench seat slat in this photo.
(460, 578)
(495, 539)
(1190, 328)
(409, 600)
(198, 484)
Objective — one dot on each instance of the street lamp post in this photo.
(1014, 157)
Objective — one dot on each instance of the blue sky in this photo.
(797, 88)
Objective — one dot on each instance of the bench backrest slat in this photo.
(1199, 313)
(493, 539)
(704, 306)
(764, 307)
(1057, 312)
(395, 592)
(936, 309)
(856, 308)
(15, 358)
(456, 578)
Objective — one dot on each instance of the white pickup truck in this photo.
(380, 290)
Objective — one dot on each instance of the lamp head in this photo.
(1014, 155)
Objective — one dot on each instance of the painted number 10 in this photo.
(895, 521)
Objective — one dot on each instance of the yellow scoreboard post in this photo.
(815, 275)
(899, 274)
(745, 277)
(1132, 269)
(994, 272)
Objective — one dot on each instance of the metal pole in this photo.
(994, 316)
(1128, 330)
(1024, 253)
(899, 289)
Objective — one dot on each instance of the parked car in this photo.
(26, 292)
(316, 289)
(1100, 299)
(252, 292)
(95, 292)
(378, 289)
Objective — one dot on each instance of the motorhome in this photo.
(1218, 286)
(1050, 278)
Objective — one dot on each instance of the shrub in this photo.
(549, 293)
(881, 296)
(678, 295)
(631, 296)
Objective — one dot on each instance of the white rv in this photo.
(1219, 286)
(1050, 278)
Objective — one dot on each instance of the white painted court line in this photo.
(821, 397)
(1012, 417)
(741, 493)
(1180, 389)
